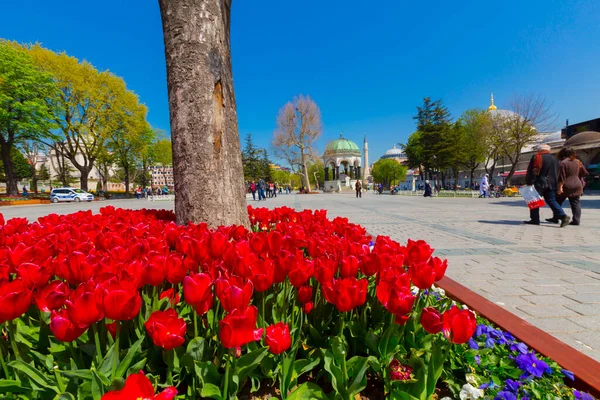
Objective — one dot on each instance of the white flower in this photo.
(446, 398)
(470, 392)
(442, 292)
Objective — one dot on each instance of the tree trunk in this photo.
(207, 160)
(34, 180)
(305, 172)
(83, 179)
(126, 181)
(11, 180)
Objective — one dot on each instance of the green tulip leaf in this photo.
(65, 396)
(308, 390)
(357, 368)
(12, 386)
(38, 380)
(211, 391)
(245, 364)
(126, 362)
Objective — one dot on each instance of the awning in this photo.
(517, 173)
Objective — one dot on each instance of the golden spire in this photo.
(492, 107)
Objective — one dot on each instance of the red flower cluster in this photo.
(83, 268)
(400, 372)
(138, 387)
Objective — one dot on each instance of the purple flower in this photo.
(568, 374)
(509, 337)
(473, 344)
(519, 347)
(477, 359)
(512, 386)
(481, 330)
(582, 395)
(530, 364)
(505, 396)
(489, 385)
(490, 343)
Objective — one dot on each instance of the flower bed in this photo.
(126, 304)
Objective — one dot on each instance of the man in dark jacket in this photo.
(542, 172)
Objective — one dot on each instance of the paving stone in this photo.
(553, 311)
(588, 338)
(585, 298)
(585, 288)
(589, 322)
(584, 309)
(549, 289)
(551, 325)
(546, 281)
(581, 280)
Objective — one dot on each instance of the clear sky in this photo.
(366, 64)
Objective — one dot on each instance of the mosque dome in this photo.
(343, 147)
(495, 112)
(394, 153)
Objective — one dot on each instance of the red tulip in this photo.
(112, 328)
(458, 325)
(63, 328)
(170, 294)
(278, 338)
(121, 300)
(417, 252)
(400, 372)
(349, 267)
(154, 270)
(197, 291)
(138, 387)
(422, 275)
(233, 293)
(52, 297)
(439, 267)
(85, 304)
(431, 320)
(15, 299)
(346, 293)
(262, 274)
(308, 307)
(34, 275)
(75, 268)
(305, 294)
(302, 269)
(370, 264)
(166, 329)
(176, 269)
(239, 328)
(397, 299)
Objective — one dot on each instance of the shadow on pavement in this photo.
(586, 202)
(509, 203)
(501, 222)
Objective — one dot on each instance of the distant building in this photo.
(162, 176)
(585, 126)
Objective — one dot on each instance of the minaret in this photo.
(366, 171)
(492, 107)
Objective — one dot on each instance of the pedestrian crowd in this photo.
(264, 190)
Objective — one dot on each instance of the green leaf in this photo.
(302, 367)
(306, 391)
(335, 373)
(124, 364)
(97, 386)
(109, 359)
(208, 373)
(245, 364)
(84, 374)
(36, 376)
(65, 396)
(137, 367)
(389, 341)
(211, 391)
(357, 368)
(12, 386)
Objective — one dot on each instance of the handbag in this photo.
(541, 184)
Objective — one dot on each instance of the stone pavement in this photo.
(546, 275)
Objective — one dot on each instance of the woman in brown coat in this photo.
(570, 185)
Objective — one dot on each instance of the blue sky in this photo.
(366, 64)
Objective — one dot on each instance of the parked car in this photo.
(69, 194)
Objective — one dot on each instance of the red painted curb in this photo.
(586, 369)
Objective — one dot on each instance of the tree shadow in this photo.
(509, 203)
(502, 222)
(588, 203)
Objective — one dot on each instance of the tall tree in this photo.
(251, 160)
(31, 149)
(388, 171)
(24, 111)
(530, 115)
(298, 126)
(477, 129)
(206, 146)
(90, 106)
(20, 166)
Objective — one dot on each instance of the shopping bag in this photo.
(531, 197)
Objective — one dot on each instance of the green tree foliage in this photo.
(476, 125)
(43, 173)
(255, 161)
(281, 177)
(24, 110)
(20, 166)
(388, 172)
(414, 151)
(316, 167)
(161, 150)
(91, 106)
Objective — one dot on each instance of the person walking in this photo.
(542, 173)
(358, 188)
(274, 189)
(261, 190)
(570, 184)
(427, 189)
(484, 186)
(253, 190)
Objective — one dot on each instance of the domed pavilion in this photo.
(343, 161)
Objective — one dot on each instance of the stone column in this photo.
(337, 172)
(358, 176)
(351, 174)
(326, 173)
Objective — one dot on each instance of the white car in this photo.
(69, 194)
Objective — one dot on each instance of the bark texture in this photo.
(207, 160)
